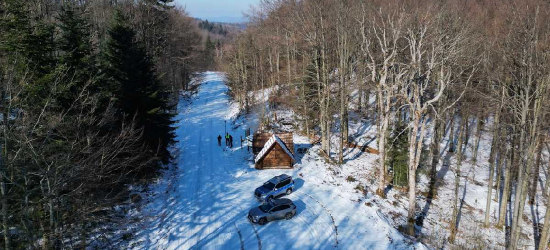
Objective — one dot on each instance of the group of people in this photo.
(228, 140)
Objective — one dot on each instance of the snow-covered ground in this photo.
(203, 203)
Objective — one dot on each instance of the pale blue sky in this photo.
(218, 10)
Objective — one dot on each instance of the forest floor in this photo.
(203, 201)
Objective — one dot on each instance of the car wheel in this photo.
(289, 191)
(262, 221)
(288, 216)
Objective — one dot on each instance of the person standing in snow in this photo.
(230, 141)
(226, 139)
(219, 140)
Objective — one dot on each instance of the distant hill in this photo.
(219, 28)
(216, 28)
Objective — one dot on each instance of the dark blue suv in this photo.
(276, 186)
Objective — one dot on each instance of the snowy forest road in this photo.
(209, 194)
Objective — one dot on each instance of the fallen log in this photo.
(363, 148)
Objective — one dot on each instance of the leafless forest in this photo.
(413, 67)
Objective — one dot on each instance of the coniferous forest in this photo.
(88, 93)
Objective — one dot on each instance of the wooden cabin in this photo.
(273, 150)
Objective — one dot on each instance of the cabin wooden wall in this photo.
(276, 158)
(258, 141)
(288, 139)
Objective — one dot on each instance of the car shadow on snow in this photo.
(300, 206)
(298, 183)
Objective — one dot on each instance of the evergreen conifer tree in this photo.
(129, 79)
(76, 55)
(398, 154)
(30, 46)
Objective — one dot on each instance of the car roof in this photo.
(279, 178)
(282, 201)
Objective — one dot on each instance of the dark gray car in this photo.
(274, 209)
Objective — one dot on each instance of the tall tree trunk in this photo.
(460, 154)
(498, 169)
(278, 66)
(479, 126)
(452, 133)
(289, 67)
(416, 138)
(544, 236)
(342, 71)
(467, 131)
(342, 124)
(384, 99)
(271, 70)
(499, 150)
(535, 178)
(360, 100)
(492, 161)
(366, 103)
(4, 168)
(382, 136)
(304, 103)
(490, 187)
(4, 198)
(505, 198)
(439, 129)
(527, 145)
(321, 96)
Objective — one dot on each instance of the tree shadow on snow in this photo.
(535, 216)
(300, 151)
(434, 187)
(459, 214)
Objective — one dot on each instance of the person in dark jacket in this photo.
(219, 140)
(226, 139)
(230, 141)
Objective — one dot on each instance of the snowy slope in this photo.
(203, 203)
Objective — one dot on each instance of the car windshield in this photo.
(265, 207)
(269, 185)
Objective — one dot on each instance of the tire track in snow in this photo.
(208, 192)
(175, 174)
(316, 235)
(218, 229)
(335, 228)
(250, 223)
(257, 237)
(196, 195)
(193, 224)
(240, 235)
(210, 163)
(243, 211)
